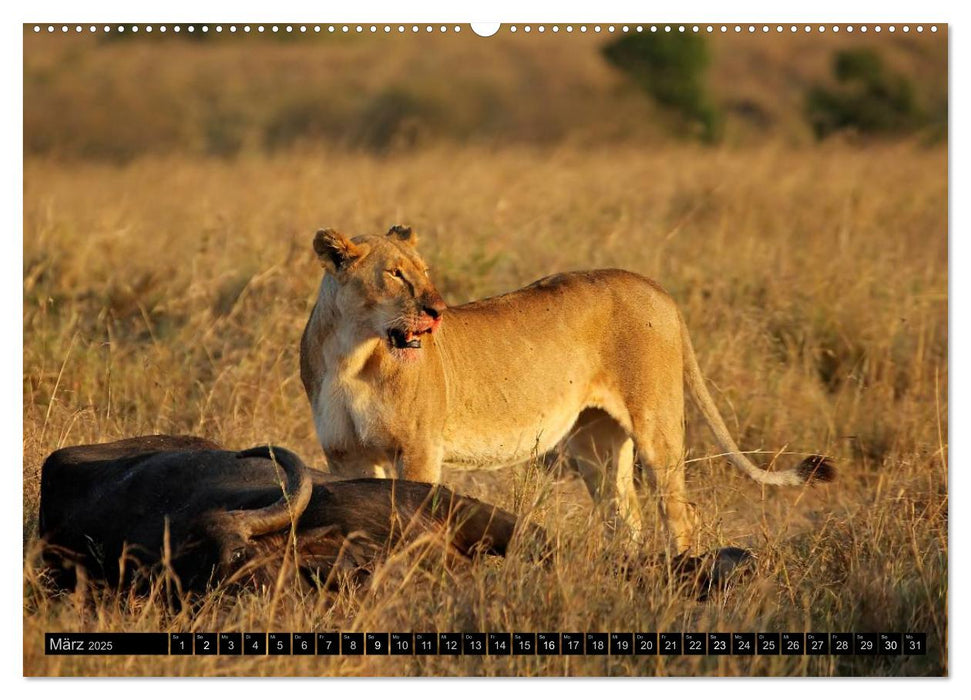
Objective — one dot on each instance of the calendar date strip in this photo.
(486, 643)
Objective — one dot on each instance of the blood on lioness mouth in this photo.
(406, 339)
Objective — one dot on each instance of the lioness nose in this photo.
(434, 306)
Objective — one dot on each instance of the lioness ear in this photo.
(334, 250)
(404, 233)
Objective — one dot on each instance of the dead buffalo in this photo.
(123, 508)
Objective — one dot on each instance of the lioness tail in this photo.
(812, 469)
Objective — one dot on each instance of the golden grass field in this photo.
(115, 98)
(168, 293)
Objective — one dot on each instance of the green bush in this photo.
(868, 97)
(671, 68)
(385, 121)
(392, 119)
(306, 117)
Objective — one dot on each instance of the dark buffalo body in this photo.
(215, 514)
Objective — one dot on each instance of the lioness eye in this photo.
(397, 273)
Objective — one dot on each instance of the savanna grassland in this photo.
(166, 287)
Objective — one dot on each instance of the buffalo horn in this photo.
(292, 503)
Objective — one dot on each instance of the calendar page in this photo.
(545, 349)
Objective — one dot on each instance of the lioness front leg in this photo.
(422, 462)
(359, 463)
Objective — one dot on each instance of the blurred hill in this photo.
(116, 98)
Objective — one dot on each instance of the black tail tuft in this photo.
(816, 468)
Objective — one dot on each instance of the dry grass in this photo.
(168, 295)
(110, 98)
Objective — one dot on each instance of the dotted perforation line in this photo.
(723, 28)
(248, 28)
(443, 29)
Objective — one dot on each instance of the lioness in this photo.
(595, 361)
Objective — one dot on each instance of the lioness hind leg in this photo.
(603, 454)
(661, 452)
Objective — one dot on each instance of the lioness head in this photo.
(382, 283)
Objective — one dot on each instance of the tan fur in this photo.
(595, 362)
